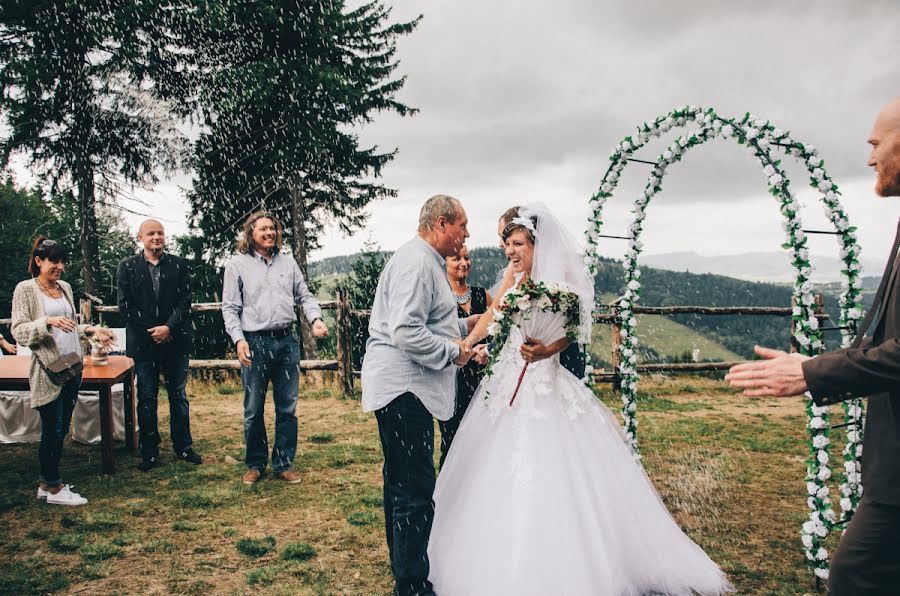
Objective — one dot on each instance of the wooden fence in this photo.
(613, 318)
(343, 364)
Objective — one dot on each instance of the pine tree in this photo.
(288, 81)
(363, 281)
(84, 94)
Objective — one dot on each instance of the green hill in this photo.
(664, 338)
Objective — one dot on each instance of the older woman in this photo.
(470, 300)
(43, 318)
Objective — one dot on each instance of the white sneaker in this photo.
(65, 497)
(42, 494)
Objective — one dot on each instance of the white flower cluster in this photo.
(763, 138)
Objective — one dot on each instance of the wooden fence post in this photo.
(85, 309)
(819, 311)
(793, 345)
(616, 341)
(344, 342)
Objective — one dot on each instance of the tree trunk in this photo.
(298, 217)
(90, 243)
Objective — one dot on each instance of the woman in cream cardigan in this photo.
(43, 318)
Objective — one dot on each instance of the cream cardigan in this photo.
(29, 328)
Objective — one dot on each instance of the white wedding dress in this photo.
(546, 498)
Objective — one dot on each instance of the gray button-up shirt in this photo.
(411, 332)
(260, 295)
(154, 272)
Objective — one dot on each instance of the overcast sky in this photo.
(523, 100)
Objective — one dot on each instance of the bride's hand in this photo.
(534, 350)
(480, 354)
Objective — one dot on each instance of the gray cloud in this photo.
(508, 87)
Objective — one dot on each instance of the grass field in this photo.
(666, 337)
(730, 470)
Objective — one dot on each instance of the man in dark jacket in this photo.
(866, 560)
(154, 295)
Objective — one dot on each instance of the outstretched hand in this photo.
(465, 353)
(779, 374)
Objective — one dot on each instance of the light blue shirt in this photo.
(411, 332)
(260, 295)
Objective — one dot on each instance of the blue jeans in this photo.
(273, 359)
(55, 420)
(175, 371)
(406, 429)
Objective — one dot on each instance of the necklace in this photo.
(46, 290)
(464, 297)
(60, 300)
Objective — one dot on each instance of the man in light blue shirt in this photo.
(261, 290)
(409, 375)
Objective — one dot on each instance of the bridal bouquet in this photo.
(512, 310)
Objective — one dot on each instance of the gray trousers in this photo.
(867, 559)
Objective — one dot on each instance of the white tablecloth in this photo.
(19, 423)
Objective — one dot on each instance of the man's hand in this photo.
(779, 375)
(464, 353)
(243, 352)
(160, 334)
(480, 354)
(319, 329)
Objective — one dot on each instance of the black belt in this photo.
(271, 332)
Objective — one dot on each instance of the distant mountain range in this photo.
(772, 267)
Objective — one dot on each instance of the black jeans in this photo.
(55, 420)
(175, 371)
(865, 562)
(406, 429)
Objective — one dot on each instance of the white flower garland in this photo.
(763, 138)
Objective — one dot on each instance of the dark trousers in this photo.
(55, 420)
(572, 359)
(174, 370)
(467, 380)
(274, 359)
(406, 429)
(867, 559)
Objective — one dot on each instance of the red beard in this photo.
(888, 182)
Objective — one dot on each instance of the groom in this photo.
(408, 376)
(866, 560)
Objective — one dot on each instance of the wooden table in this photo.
(14, 377)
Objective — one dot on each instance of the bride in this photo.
(544, 496)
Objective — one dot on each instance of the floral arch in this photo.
(768, 145)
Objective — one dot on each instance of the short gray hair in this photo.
(438, 206)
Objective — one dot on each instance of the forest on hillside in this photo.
(663, 288)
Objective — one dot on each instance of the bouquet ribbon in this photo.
(519, 384)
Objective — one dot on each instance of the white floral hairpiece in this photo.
(525, 222)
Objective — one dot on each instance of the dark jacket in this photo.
(872, 369)
(142, 309)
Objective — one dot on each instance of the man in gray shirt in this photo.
(261, 290)
(408, 376)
